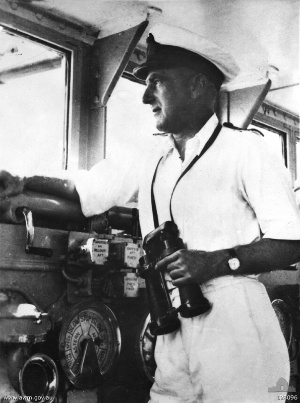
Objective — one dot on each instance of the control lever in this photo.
(30, 249)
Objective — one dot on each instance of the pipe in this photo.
(39, 378)
(31, 68)
(17, 356)
(42, 206)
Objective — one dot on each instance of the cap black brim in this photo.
(141, 72)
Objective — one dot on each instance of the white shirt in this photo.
(171, 167)
(233, 195)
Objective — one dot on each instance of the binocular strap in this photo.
(208, 144)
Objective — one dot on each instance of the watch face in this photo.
(234, 263)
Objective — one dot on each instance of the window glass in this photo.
(298, 160)
(33, 105)
(275, 140)
(130, 123)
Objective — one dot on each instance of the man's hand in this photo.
(194, 266)
(10, 185)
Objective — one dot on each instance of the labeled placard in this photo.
(132, 254)
(131, 285)
(100, 251)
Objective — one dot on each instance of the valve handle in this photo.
(29, 248)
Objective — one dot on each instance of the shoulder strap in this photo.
(208, 144)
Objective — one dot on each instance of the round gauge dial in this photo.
(145, 351)
(89, 343)
(284, 317)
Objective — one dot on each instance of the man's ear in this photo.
(199, 84)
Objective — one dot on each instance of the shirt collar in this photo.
(197, 142)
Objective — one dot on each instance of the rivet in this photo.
(96, 99)
(13, 5)
(3, 297)
(39, 16)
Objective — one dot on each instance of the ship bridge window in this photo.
(130, 123)
(274, 138)
(298, 157)
(33, 104)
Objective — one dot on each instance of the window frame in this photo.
(281, 133)
(67, 54)
(280, 121)
(77, 114)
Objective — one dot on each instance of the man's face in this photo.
(168, 92)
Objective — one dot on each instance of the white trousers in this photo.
(234, 353)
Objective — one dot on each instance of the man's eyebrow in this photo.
(153, 76)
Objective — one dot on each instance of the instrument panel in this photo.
(89, 343)
(284, 318)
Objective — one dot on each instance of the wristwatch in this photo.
(233, 262)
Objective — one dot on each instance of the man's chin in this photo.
(161, 127)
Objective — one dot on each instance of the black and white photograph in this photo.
(149, 201)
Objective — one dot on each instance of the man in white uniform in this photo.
(235, 211)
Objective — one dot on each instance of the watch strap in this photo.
(232, 253)
(233, 261)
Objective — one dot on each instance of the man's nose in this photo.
(148, 96)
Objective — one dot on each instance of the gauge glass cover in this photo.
(284, 318)
(146, 348)
(89, 343)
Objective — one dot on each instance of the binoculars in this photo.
(158, 244)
